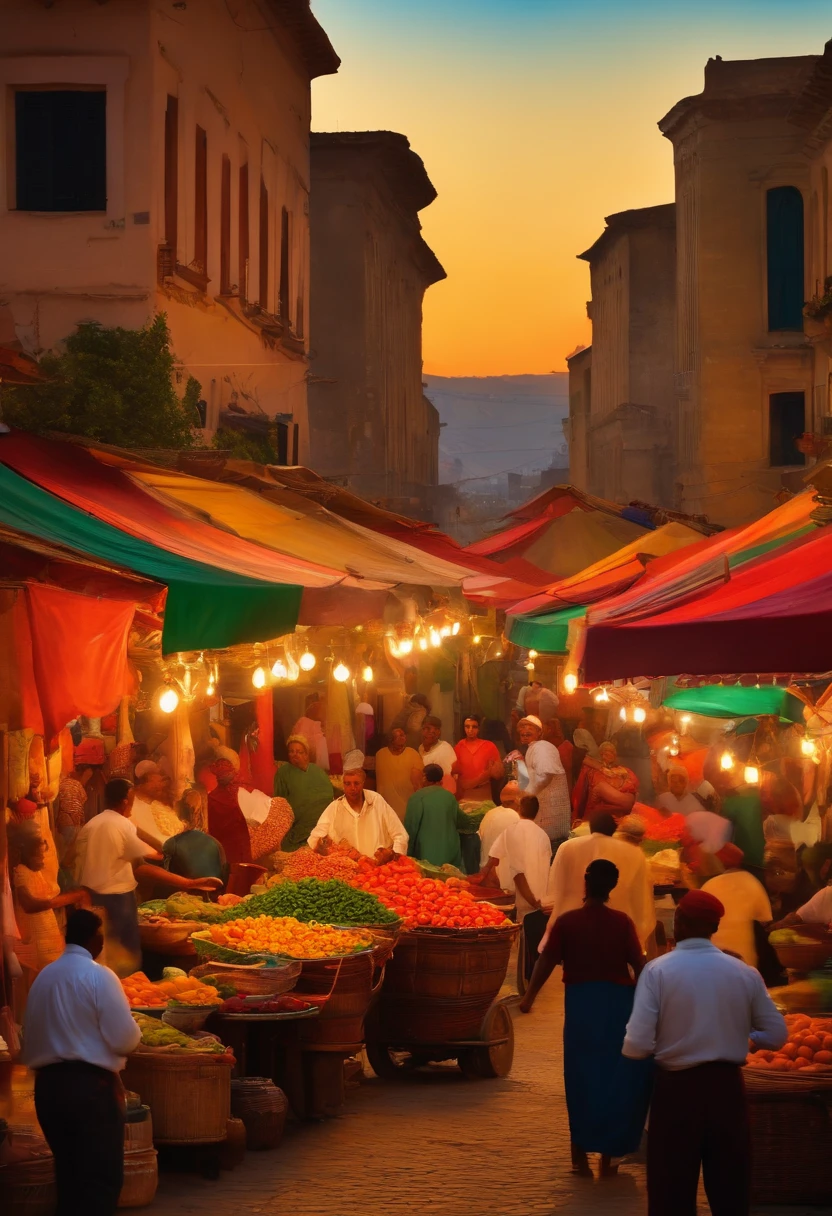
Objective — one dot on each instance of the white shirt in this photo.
(106, 848)
(77, 1010)
(375, 826)
(632, 894)
(547, 781)
(818, 910)
(697, 1005)
(709, 830)
(142, 818)
(688, 804)
(745, 900)
(525, 849)
(254, 804)
(493, 825)
(441, 753)
(582, 738)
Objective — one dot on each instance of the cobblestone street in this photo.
(434, 1143)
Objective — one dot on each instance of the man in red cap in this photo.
(695, 1010)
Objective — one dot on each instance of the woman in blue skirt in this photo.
(607, 1095)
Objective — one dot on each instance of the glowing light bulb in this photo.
(639, 714)
(807, 746)
(258, 677)
(530, 665)
(532, 654)
(622, 713)
(367, 674)
(341, 672)
(405, 645)
(477, 639)
(211, 689)
(279, 670)
(685, 720)
(751, 774)
(570, 682)
(445, 631)
(394, 648)
(307, 660)
(169, 700)
(726, 762)
(435, 639)
(456, 628)
(423, 643)
(602, 696)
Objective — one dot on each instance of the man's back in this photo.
(633, 894)
(431, 822)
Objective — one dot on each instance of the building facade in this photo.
(621, 400)
(156, 159)
(371, 426)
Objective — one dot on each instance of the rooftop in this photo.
(297, 18)
(395, 159)
(661, 216)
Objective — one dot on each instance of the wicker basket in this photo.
(189, 1094)
(170, 937)
(141, 1178)
(255, 979)
(791, 1132)
(344, 989)
(262, 1108)
(138, 1130)
(27, 1188)
(804, 957)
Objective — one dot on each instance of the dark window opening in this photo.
(283, 309)
(263, 298)
(225, 228)
(243, 244)
(172, 173)
(786, 423)
(61, 150)
(784, 250)
(200, 263)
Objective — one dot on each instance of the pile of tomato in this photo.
(424, 902)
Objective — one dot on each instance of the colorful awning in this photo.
(736, 701)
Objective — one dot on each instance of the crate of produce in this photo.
(168, 937)
(189, 1094)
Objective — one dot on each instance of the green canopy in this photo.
(734, 701)
(206, 609)
(547, 632)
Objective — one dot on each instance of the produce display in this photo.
(330, 903)
(791, 937)
(287, 936)
(181, 906)
(425, 902)
(671, 829)
(809, 1046)
(160, 1036)
(175, 988)
(268, 1004)
(304, 863)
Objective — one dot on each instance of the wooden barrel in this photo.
(346, 986)
(141, 1178)
(138, 1129)
(27, 1188)
(189, 1095)
(791, 1130)
(262, 1108)
(438, 987)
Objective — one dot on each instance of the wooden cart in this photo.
(439, 1001)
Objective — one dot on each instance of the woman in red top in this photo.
(604, 785)
(477, 761)
(226, 822)
(606, 1096)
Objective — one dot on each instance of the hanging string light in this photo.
(456, 628)
(570, 683)
(168, 700)
(280, 670)
(639, 714)
(751, 774)
(341, 672)
(405, 646)
(726, 762)
(307, 660)
(258, 677)
(367, 674)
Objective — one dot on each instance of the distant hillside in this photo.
(497, 424)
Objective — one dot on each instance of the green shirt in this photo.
(433, 821)
(746, 814)
(308, 793)
(195, 854)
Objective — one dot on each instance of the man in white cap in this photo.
(546, 780)
(360, 818)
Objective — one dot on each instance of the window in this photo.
(200, 262)
(172, 173)
(263, 298)
(283, 303)
(60, 149)
(784, 249)
(242, 235)
(225, 228)
(786, 422)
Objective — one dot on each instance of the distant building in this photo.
(158, 161)
(621, 401)
(744, 367)
(371, 426)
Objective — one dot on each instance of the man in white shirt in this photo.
(76, 1034)
(816, 911)
(745, 901)
(434, 750)
(495, 822)
(525, 853)
(154, 821)
(695, 1010)
(362, 819)
(633, 893)
(546, 780)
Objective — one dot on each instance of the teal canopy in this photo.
(723, 701)
(206, 609)
(547, 632)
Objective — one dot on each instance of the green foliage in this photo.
(243, 445)
(112, 385)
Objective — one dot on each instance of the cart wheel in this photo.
(522, 983)
(494, 1061)
(384, 1063)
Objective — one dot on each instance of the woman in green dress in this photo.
(193, 853)
(306, 788)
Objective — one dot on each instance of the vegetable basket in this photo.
(255, 979)
(207, 948)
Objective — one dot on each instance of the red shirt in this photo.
(595, 943)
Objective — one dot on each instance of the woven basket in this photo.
(791, 1132)
(141, 1178)
(168, 937)
(262, 1108)
(254, 979)
(27, 1188)
(206, 948)
(189, 1095)
(808, 957)
(138, 1130)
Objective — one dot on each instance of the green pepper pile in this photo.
(330, 903)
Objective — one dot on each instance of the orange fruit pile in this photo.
(809, 1045)
(287, 936)
(425, 902)
(141, 991)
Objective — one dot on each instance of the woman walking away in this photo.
(606, 1095)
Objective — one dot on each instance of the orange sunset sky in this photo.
(535, 119)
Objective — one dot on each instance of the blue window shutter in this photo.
(784, 248)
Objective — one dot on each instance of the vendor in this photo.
(152, 818)
(306, 788)
(435, 750)
(398, 771)
(541, 774)
(360, 818)
(193, 853)
(816, 911)
(433, 822)
(37, 898)
(495, 822)
(604, 785)
(226, 821)
(478, 763)
(678, 799)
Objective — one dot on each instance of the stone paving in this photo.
(433, 1143)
